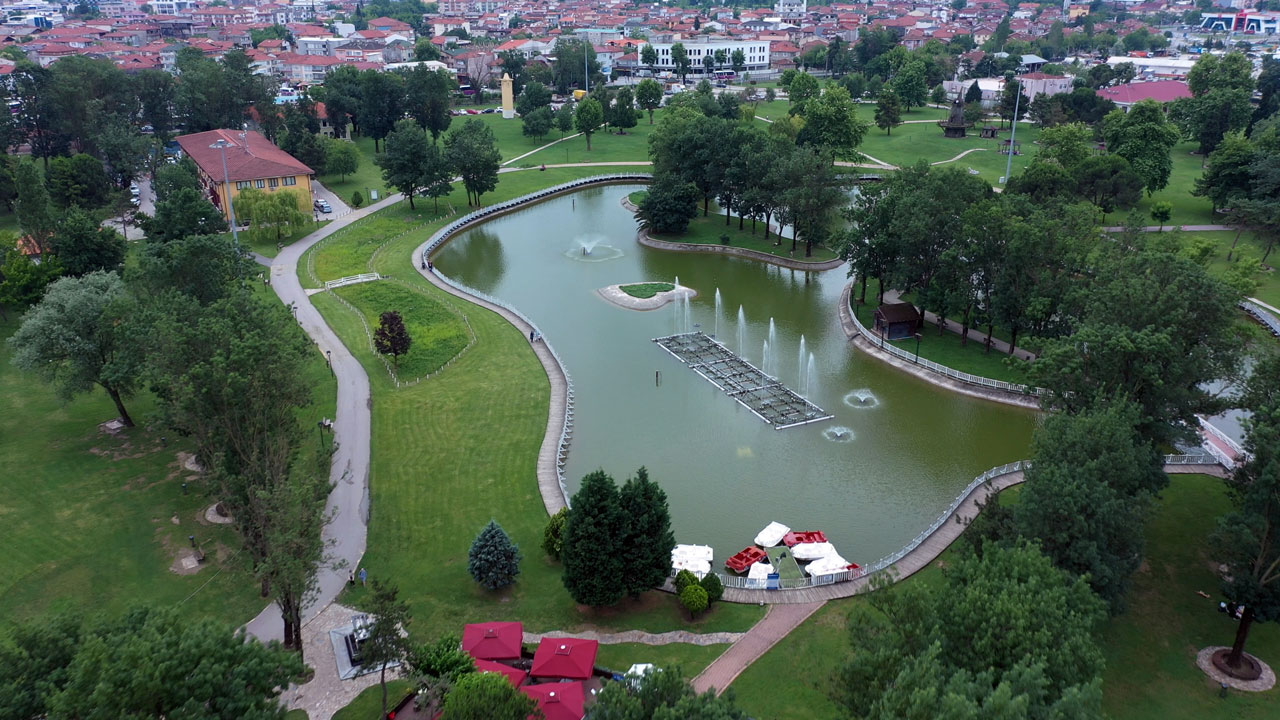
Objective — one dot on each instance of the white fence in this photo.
(462, 223)
(932, 366)
(352, 280)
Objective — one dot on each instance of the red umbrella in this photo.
(493, 640)
(558, 701)
(569, 658)
(515, 675)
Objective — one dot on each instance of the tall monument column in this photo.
(508, 98)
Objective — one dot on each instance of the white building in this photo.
(791, 8)
(755, 53)
(1156, 67)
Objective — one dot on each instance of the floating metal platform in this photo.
(764, 396)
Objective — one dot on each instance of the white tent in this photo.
(772, 534)
(812, 551)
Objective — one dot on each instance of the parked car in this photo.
(134, 190)
(323, 206)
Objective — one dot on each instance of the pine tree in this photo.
(387, 642)
(392, 337)
(648, 537)
(553, 535)
(494, 560)
(592, 555)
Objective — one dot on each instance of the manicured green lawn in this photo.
(459, 449)
(368, 704)
(910, 143)
(1269, 289)
(646, 290)
(368, 176)
(606, 146)
(299, 714)
(1151, 672)
(944, 349)
(1187, 208)
(437, 331)
(691, 659)
(709, 231)
(267, 247)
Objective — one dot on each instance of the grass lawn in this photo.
(267, 247)
(787, 567)
(944, 349)
(1150, 650)
(299, 714)
(606, 146)
(368, 176)
(708, 231)
(691, 659)
(646, 290)
(437, 331)
(459, 449)
(910, 143)
(1269, 288)
(368, 704)
(1187, 208)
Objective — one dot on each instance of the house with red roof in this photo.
(558, 701)
(493, 640)
(1130, 94)
(565, 658)
(248, 160)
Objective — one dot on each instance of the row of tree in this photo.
(415, 164)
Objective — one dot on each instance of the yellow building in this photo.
(252, 161)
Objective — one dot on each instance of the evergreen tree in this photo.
(392, 337)
(714, 587)
(694, 599)
(387, 642)
(35, 216)
(593, 557)
(553, 534)
(648, 537)
(494, 561)
(973, 93)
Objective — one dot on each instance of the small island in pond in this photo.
(645, 295)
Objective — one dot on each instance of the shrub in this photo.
(684, 579)
(711, 583)
(357, 199)
(553, 535)
(724, 239)
(694, 599)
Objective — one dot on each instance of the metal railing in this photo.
(942, 369)
(888, 561)
(448, 231)
(1271, 322)
(351, 280)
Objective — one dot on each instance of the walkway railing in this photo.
(462, 223)
(888, 561)
(351, 280)
(1271, 322)
(941, 369)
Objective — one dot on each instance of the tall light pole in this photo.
(586, 72)
(1013, 133)
(222, 146)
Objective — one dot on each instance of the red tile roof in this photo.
(250, 157)
(493, 640)
(1159, 90)
(571, 658)
(558, 701)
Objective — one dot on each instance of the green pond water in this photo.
(872, 477)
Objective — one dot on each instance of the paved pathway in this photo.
(644, 638)
(975, 334)
(348, 502)
(966, 152)
(777, 622)
(1165, 228)
(326, 694)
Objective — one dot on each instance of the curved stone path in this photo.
(644, 638)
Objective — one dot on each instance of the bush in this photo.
(724, 239)
(553, 535)
(357, 199)
(694, 599)
(684, 579)
(711, 583)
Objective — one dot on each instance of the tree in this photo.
(156, 94)
(1108, 181)
(429, 99)
(1013, 104)
(122, 151)
(424, 50)
(588, 118)
(911, 85)
(680, 59)
(472, 151)
(402, 163)
(770, 95)
(553, 534)
(1209, 117)
(622, 114)
(1244, 541)
(341, 157)
(74, 339)
(714, 587)
(648, 537)
(171, 177)
(1068, 145)
(831, 124)
(649, 95)
(1232, 71)
(1144, 137)
(437, 175)
(25, 280)
(593, 567)
(35, 216)
(537, 123)
(270, 215)
(488, 696)
(1161, 211)
(380, 103)
(669, 205)
(973, 94)
(185, 212)
(392, 337)
(564, 118)
(78, 180)
(738, 60)
(387, 642)
(535, 95)
(888, 111)
(804, 87)
(204, 267)
(71, 669)
(1006, 627)
(708, 64)
(82, 246)
(938, 96)
(494, 561)
(1226, 176)
(649, 56)
(694, 599)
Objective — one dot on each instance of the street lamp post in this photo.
(917, 348)
(222, 146)
(1013, 133)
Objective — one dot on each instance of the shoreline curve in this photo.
(614, 295)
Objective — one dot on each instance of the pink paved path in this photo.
(780, 620)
